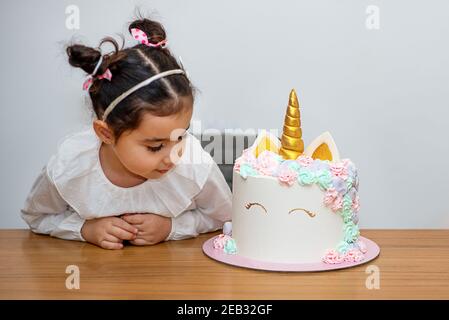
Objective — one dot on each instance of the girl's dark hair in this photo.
(130, 66)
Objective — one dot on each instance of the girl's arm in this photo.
(47, 213)
(214, 205)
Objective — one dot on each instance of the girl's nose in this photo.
(167, 161)
(173, 154)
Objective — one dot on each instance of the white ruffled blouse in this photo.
(73, 188)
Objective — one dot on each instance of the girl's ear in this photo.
(103, 132)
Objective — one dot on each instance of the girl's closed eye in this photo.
(159, 147)
(156, 149)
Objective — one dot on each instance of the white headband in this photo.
(137, 87)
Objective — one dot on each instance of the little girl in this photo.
(136, 175)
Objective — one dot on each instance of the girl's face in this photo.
(151, 150)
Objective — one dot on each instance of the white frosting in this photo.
(277, 236)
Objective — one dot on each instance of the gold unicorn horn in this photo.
(292, 144)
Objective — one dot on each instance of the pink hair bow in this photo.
(106, 75)
(142, 37)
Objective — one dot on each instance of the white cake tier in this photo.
(277, 235)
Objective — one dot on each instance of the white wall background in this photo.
(384, 94)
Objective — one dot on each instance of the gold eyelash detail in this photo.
(310, 213)
(249, 205)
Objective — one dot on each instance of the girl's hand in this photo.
(108, 232)
(152, 228)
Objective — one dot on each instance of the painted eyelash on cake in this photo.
(250, 204)
(310, 213)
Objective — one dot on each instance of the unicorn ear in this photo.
(265, 142)
(323, 148)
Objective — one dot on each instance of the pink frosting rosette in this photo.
(330, 196)
(304, 161)
(332, 257)
(220, 241)
(354, 256)
(267, 163)
(287, 176)
(247, 157)
(237, 164)
(339, 170)
(333, 199)
(337, 204)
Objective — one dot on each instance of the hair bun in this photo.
(83, 57)
(154, 30)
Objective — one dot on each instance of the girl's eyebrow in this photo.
(163, 139)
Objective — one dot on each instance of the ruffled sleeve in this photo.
(47, 213)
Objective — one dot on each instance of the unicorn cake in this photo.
(293, 204)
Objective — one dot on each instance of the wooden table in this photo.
(413, 264)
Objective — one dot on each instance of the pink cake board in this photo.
(373, 251)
